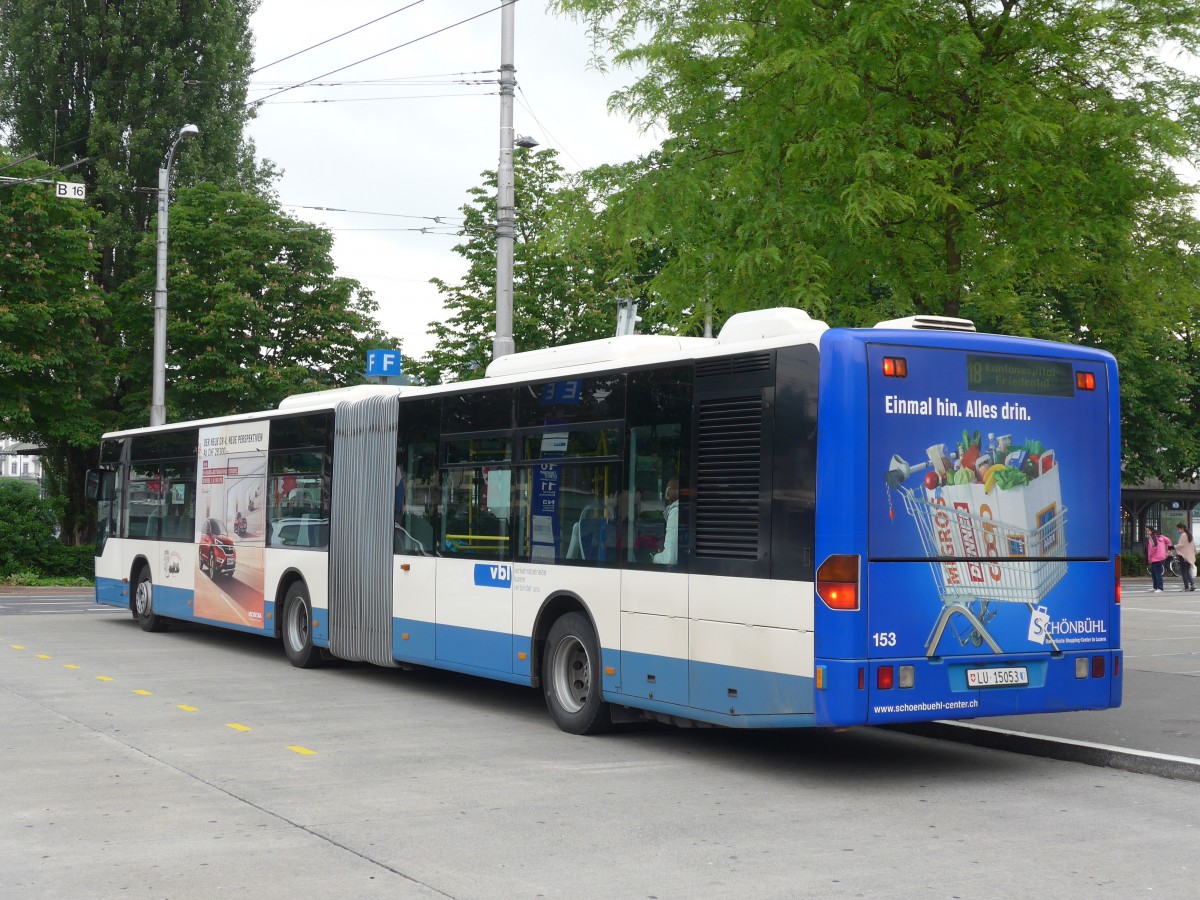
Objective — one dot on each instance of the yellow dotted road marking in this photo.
(236, 726)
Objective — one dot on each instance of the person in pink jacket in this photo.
(1186, 548)
(1157, 549)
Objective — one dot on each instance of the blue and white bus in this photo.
(787, 525)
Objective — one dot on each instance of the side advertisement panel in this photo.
(992, 476)
(231, 523)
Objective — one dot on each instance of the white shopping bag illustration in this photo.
(1039, 625)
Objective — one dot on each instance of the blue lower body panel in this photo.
(727, 695)
(112, 592)
(852, 695)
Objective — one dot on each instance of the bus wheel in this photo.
(143, 603)
(297, 628)
(571, 677)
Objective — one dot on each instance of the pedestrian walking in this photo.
(1185, 547)
(1157, 545)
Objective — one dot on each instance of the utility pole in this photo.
(503, 344)
(158, 379)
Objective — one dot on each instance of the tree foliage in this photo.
(260, 316)
(113, 83)
(50, 362)
(255, 309)
(29, 526)
(565, 275)
(1010, 161)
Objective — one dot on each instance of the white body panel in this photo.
(658, 593)
(654, 635)
(312, 564)
(460, 602)
(753, 647)
(413, 589)
(775, 604)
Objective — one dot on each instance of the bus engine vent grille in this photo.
(733, 365)
(728, 467)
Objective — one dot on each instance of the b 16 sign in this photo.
(70, 190)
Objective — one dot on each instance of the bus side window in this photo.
(660, 427)
(475, 504)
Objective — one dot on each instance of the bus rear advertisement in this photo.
(784, 526)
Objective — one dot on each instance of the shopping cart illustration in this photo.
(979, 562)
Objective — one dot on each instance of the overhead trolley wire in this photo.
(440, 220)
(359, 62)
(373, 99)
(336, 36)
(396, 81)
(524, 101)
(42, 178)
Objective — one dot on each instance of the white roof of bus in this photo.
(756, 330)
(765, 327)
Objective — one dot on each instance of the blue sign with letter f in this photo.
(383, 363)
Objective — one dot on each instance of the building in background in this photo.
(19, 460)
(1151, 503)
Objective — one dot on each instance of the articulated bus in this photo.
(786, 525)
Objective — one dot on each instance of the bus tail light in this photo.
(885, 678)
(837, 582)
(1097, 666)
(1117, 570)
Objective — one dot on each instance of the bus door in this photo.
(990, 583)
(474, 574)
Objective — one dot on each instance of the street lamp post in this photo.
(158, 407)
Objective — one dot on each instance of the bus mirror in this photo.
(99, 485)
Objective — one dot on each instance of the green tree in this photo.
(111, 84)
(1003, 160)
(28, 530)
(52, 385)
(565, 281)
(50, 362)
(255, 309)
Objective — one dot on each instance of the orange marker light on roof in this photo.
(895, 367)
(1085, 381)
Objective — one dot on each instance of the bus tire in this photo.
(571, 677)
(297, 628)
(143, 603)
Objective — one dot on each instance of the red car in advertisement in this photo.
(217, 554)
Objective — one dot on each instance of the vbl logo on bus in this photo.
(493, 575)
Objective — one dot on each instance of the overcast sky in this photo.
(403, 148)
